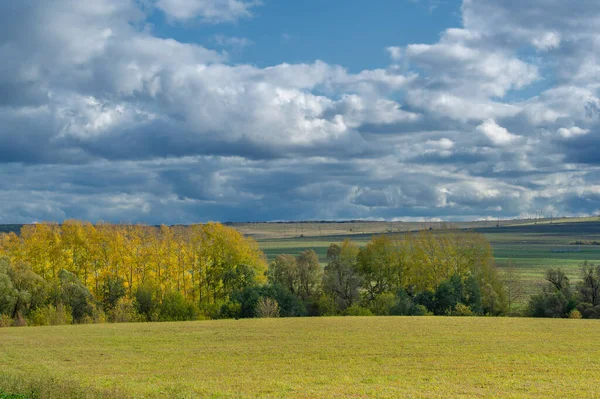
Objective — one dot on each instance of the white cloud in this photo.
(394, 52)
(462, 63)
(547, 41)
(572, 132)
(238, 42)
(214, 11)
(98, 110)
(496, 134)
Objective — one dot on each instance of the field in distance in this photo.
(352, 357)
(531, 246)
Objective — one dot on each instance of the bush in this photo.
(548, 304)
(6, 321)
(114, 290)
(20, 321)
(97, 316)
(147, 301)
(323, 305)
(174, 307)
(289, 304)
(124, 311)
(420, 310)
(267, 308)
(462, 310)
(217, 310)
(229, 310)
(8, 294)
(76, 296)
(425, 298)
(447, 295)
(51, 316)
(356, 310)
(574, 314)
(588, 311)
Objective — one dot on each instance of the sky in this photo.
(185, 111)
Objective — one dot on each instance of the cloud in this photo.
(212, 11)
(236, 42)
(103, 119)
(394, 52)
(572, 132)
(496, 134)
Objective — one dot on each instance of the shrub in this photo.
(420, 310)
(124, 312)
(267, 308)
(462, 310)
(323, 305)
(6, 321)
(114, 290)
(574, 314)
(97, 316)
(51, 316)
(219, 310)
(383, 304)
(230, 310)
(356, 310)
(289, 304)
(20, 321)
(548, 304)
(147, 301)
(588, 311)
(75, 295)
(8, 294)
(174, 307)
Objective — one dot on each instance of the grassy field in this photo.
(377, 357)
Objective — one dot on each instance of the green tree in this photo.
(589, 288)
(380, 266)
(32, 289)
(8, 295)
(147, 301)
(283, 271)
(114, 290)
(75, 295)
(308, 273)
(174, 307)
(341, 280)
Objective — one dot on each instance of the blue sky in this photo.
(352, 33)
(183, 111)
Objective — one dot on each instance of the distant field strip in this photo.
(373, 357)
(531, 247)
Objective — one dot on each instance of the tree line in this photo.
(83, 272)
(559, 298)
(449, 273)
(78, 272)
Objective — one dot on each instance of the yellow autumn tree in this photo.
(204, 263)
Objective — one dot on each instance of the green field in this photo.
(531, 247)
(353, 357)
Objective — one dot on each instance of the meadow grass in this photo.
(353, 357)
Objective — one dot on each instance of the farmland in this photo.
(531, 246)
(354, 357)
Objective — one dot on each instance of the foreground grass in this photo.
(382, 357)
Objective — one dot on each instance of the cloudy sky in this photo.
(181, 111)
